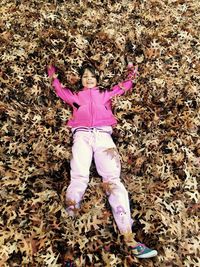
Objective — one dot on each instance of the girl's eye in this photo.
(88, 76)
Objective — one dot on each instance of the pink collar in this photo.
(94, 88)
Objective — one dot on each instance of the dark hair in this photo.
(91, 68)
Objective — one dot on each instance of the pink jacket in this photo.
(90, 106)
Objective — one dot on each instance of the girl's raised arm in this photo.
(64, 93)
(126, 85)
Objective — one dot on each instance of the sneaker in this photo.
(143, 252)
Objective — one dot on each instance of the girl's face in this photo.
(88, 79)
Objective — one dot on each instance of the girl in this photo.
(91, 126)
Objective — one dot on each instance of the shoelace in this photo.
(137, 246)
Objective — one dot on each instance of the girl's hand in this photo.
(51, 70)
(132, 71)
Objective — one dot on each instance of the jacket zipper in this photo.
(91, 107)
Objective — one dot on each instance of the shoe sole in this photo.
(151, 254)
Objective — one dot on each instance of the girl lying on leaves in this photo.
(91, 126)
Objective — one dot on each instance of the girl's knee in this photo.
(114, 187)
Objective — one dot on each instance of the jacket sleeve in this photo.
(121, 88)
(64, 93)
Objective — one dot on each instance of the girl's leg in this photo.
(108, 166)
(80, 166)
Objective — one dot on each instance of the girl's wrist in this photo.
(51, 70)
(130, 65)
(54, 76)
(132, 71)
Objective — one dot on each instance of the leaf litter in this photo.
(157, 134)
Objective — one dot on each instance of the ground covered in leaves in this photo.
(157, 135)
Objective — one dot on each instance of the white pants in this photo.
(100, 146)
